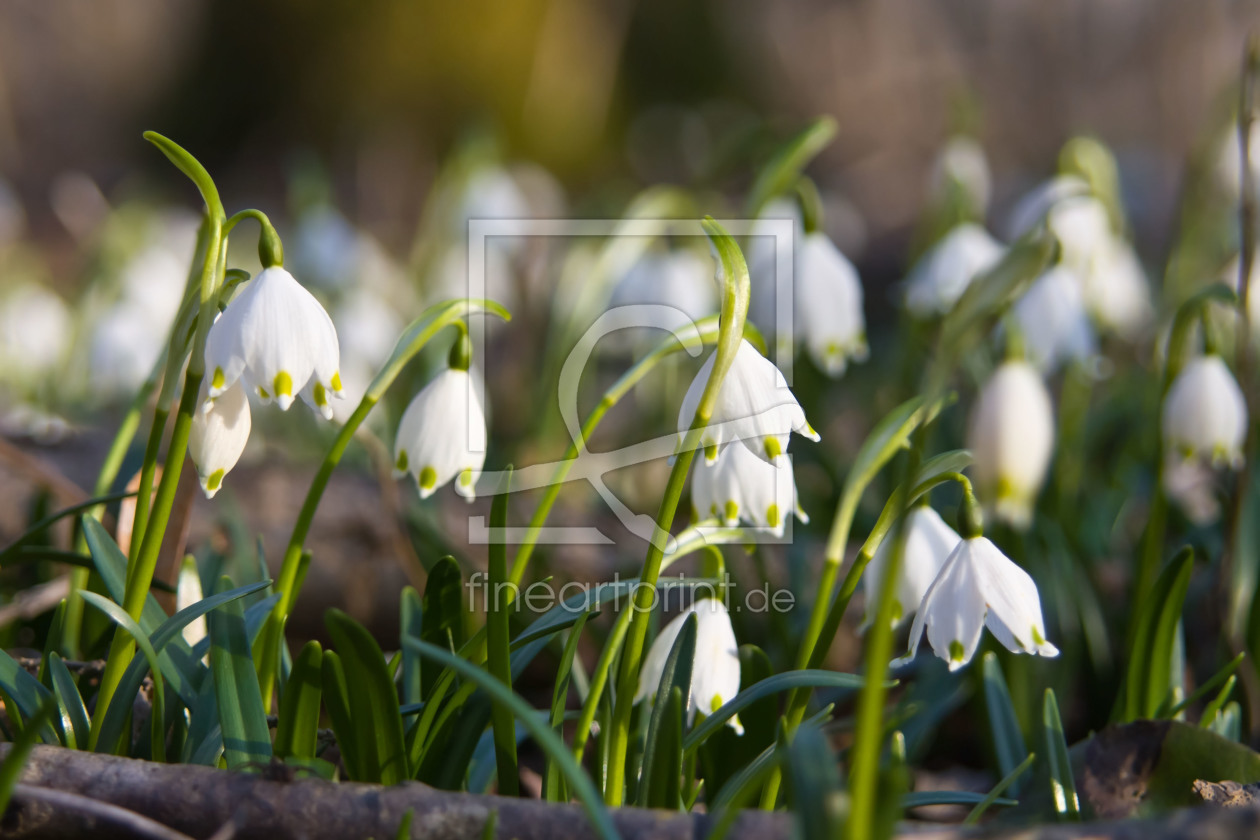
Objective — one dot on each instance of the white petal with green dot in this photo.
(753, 404)
(277, 337)
(218, 436)
(829, 314)
(929, 541)
(442, 435)
(740, 487)
(1205, 414)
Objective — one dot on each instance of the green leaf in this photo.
(498, 656)
(934, 471)
(167, 633)
(924, 798)
(373, 702)
(1211, 684)
(410, 616)
(337, 702)
(567, 613)
(443, 614)
(1062, 782)
(554, 789)
(782, 171)
(993, 797)
(30, 696)
(542, 734)
(666, 759)
(780, 682)
(120, 617)
(1149, 673)
(193, 169)
(74, 717)
(1008, 740)
(246, 737)
(818, 799)
(1211, 710)
(298, 723)
(13, 764)
(10, 551)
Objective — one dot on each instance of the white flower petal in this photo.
(829, 305)
(442, 435)
(1205, 413)
(944, 272)
(218, 436)
(929, 543)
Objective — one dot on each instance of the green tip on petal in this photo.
(428, 478)
(262, 392)
(465, 477)
(401, 463)
(731, 510)
(335, 382)
(772, 516)
(957, 653)
(218, 379)
(214, 481)
(1037, 638)
(320, 395)
(773, 449)
(283, 385)
(710, 452)
(715, 703)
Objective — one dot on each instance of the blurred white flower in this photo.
(124, 348)
(34, 332)
(1011, 435)
(754, 405)
(680, 279)
(153, 281)
(929, 543)
(1192, 485)
(1053, 321)
(218, 436)
(368, 327)
(325, 248)
(496, 280)
(1229, 160)
(1116, 290)
(442, 435)
(962, 164)
(829, 305)
(1205, 414)
(1031, 210)
(944, 272)
(740, 486)
(187, 593)
(277, 339)
(715, 670)
(979, 586)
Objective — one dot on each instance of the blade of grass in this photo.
(994, 796)
(498, 655)
(120, 617)
(74, 717)
(1008, 740)
(246, 737)
(298, 722)
(1062, 784)
(675, 676)
(373, 702)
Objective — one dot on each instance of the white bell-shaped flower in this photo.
(979, 586)
(1205, 414)
(829, 305)
(944, 272)
(754, 405)
(277, 338)
(1116, 291)
(35, 326)
(715, 671)
(962, 164)
(741, 487)
(681, 280)
(442, 435)
(1033, 208)
(929, 542)
(1054, 322)
(1011, 435)
(218, 436)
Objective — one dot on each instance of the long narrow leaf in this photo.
(1062, 783)
(676, 676)
(377, 723)
(498, 656)
(29, 695)
(246, 737)
(120, 617)
(337, 702)
(1008, 740)
(298, 723)
(74, 717)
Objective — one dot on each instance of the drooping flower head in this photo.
(754, 405)
(929, 541)
(715, 671)
(218, 436)
(944, 273)
(979, 586)
(829, 305)
(1054, 322)
(1205, 413)
(741, 487)
(1011, 435)
(442, 434)
(277, 339)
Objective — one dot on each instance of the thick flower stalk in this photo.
(1205, 414)
(742, 487)
(754, 406)
(442, 435)
(219, 433)
(1011, 434)
(715, 672)
(276, 339)
(944, 272)
(929, 542)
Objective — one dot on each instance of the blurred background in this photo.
(370, 131)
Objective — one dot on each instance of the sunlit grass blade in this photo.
(994, 796)
(373, 701)
(74, 717)
(11, 550)
(554, 789)
(298, 723)
(246, 737)
(337, 702)
(30, 696)
(1228, 724)
(750, 695)
(1062, 782)
(542, 734)
(410, 616)
(1211, 684)
(1008, 739)
(1147, 679)
(676, 675)
(1212, 709)
(782, 171)
(498, 655)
